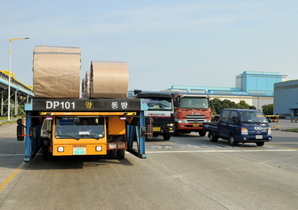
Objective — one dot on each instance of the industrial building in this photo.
(254, 87)
(286, 98)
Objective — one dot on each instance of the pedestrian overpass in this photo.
(19, 93)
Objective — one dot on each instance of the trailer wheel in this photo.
(166, 136)
(46, 155)
(260, 144)
(202, 132)
(232, 141)
(212, 137)
(113, 154)
(120, 154)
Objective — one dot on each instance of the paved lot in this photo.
(284, 124)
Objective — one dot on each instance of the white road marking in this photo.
(222, 151)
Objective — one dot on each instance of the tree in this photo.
(268, 109)
(252, 107)
(242, 105)
(218, 105)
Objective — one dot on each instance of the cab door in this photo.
(233, 124)
(223, 123)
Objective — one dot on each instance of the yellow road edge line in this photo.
(11, 176)
(7, 136)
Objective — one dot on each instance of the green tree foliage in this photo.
(268, 109)
(242, 105)
(252, 107)
(218, 105)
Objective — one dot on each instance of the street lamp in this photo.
(9, 70)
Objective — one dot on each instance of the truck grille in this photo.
(195, 118)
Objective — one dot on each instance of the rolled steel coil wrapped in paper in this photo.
(108, 79)
(56, 72)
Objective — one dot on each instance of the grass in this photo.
(12, 120)
(292, 129)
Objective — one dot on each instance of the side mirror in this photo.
(20, 130)
(19, 121)
(20, 133)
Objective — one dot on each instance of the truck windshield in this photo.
(79, 128)
(252, 117)
(194, 103)
(158, 103)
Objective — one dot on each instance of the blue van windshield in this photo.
(252, 117)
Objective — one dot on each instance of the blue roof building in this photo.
(286, 98)
(248, 83)
(254, 87)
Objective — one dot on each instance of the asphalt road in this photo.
(187, 172)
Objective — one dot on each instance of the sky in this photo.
(164, 42)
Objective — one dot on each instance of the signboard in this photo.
(85, 104)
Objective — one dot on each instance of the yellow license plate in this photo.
(196, 125)
(156, 128)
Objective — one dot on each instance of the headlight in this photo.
(60, 149)
(98, 148)
(182, 121)
(244, 131)
(269, 131)
(170, 124)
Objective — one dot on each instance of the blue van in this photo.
(240, 126)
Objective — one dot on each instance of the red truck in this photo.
(191, 111)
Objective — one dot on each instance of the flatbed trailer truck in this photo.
(56, 126)
(240, 126)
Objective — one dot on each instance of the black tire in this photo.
(260, 144)
(212, 137)
(232, 140)
(46, 155)
(202, 132)
(176, 132)
(166, 136)
(113, 154)
(120, 154)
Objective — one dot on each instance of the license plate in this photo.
(156, 128)
(79, 151)
(259, 136)
(196, 125)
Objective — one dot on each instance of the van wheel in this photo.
(260, 144)
(202, 133)
(232, 141)
(212, 137)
